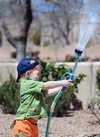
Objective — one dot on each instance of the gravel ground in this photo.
(78, 124)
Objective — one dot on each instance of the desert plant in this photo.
(9, 96)
(46, 43)
(94, 107)
(94, 104)
(70, 58)
(36, 38)
(34, 54)
(98, 81)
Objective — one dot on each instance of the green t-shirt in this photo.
(32, 99)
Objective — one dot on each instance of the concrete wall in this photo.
(87, 88)
(5, 70)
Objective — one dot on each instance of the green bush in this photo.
(9, 91)
(46, 43)
(36, 38)
(52, 72)
(9, 96)
(70, 58)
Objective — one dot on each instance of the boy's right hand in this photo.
(67, 83)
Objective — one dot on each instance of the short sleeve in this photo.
(31, 86)
(35, 86)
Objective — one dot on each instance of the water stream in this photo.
(90, 16)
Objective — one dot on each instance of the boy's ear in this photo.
(28, 73)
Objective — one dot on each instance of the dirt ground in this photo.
(78, 124)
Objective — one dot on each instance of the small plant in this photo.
(46, 43)
(34, 54)
(36, 38)
(94, 104)
(98, 81)
(70, 58)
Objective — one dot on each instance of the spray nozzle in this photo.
(78, 52)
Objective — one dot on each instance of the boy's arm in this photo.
(53, 91)
(55, 84)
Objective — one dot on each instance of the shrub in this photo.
(70, 58)
(98, 80)
(34, 54)
(36, 38)
(94, 104)
(52, 72)
(9, 96)
(46, 43)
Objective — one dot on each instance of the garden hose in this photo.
(70, 76)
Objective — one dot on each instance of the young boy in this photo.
(32, 97)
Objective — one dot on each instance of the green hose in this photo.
(51, 111)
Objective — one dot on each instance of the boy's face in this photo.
(36, 72)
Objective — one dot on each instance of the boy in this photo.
(32, 105)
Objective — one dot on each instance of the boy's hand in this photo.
(67, 84)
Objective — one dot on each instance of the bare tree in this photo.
(64, 12)
(22, 12)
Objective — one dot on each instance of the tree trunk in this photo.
(24, 20)
(21, 51)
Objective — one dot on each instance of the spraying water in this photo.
(89, 21)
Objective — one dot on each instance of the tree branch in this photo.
(27, 17)
(8, 34)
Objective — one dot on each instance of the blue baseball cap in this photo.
(24, 65)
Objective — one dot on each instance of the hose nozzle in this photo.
(78, 52)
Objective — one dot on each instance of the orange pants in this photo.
(28, 127)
